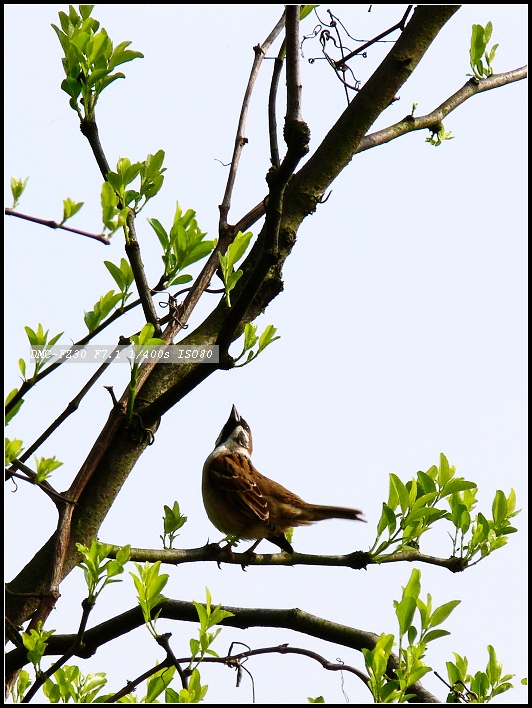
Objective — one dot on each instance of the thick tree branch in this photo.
(243, 618)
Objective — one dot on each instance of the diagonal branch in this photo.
(472, 88)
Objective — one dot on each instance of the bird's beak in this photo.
(234, 417)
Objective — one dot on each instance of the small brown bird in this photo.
(240, 501)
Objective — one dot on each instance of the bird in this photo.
(242, 502)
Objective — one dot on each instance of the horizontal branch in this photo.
(431, 120)
(212, 553)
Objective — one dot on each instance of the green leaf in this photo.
(404, 611)
(158, 683)
(13, 412)
(17, 188)
(387, 521)
(163, 237)
(457, 485)
(426, 483)
(499, 507)
(478, 45)
(435, 634)
(267, 337)
(398, 494)
(413, 586)
(180, 280)
(441, 613)
(238, 247)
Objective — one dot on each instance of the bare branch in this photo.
(240, 140)
(54, 225)
(133, 253)
(90, 131)
(472, 88)
(272, 114)
(293, 75)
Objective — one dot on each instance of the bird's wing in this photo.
(239, 482)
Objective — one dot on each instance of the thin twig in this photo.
(293, 72)
(400, 25)
(297, 136)
(240, 139)
(54, 225)
(71, 408)
(76, 644)
(31, 477)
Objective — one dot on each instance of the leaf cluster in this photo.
(151, 180)
(89, 59)
(17, 188)
(478, 54)
(251, 339)
(208, 617)
(483, 687)
(149, 584)
(99, 571)
(387, 688)
(35, 641)
(182, 246)
(228, 260)
(413, 508)
(173, 520)
(38, 339)
(70, 683)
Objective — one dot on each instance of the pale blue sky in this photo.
(402, 323)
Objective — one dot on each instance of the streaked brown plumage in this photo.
(240, 501)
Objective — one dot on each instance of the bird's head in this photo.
(236, 434)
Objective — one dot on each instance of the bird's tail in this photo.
(317, 512)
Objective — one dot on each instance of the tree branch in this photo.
(133, 253)
(54, 225)
(240, 140)
(472, 88)
(343, 140)
(243, 618)
(356, 560)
